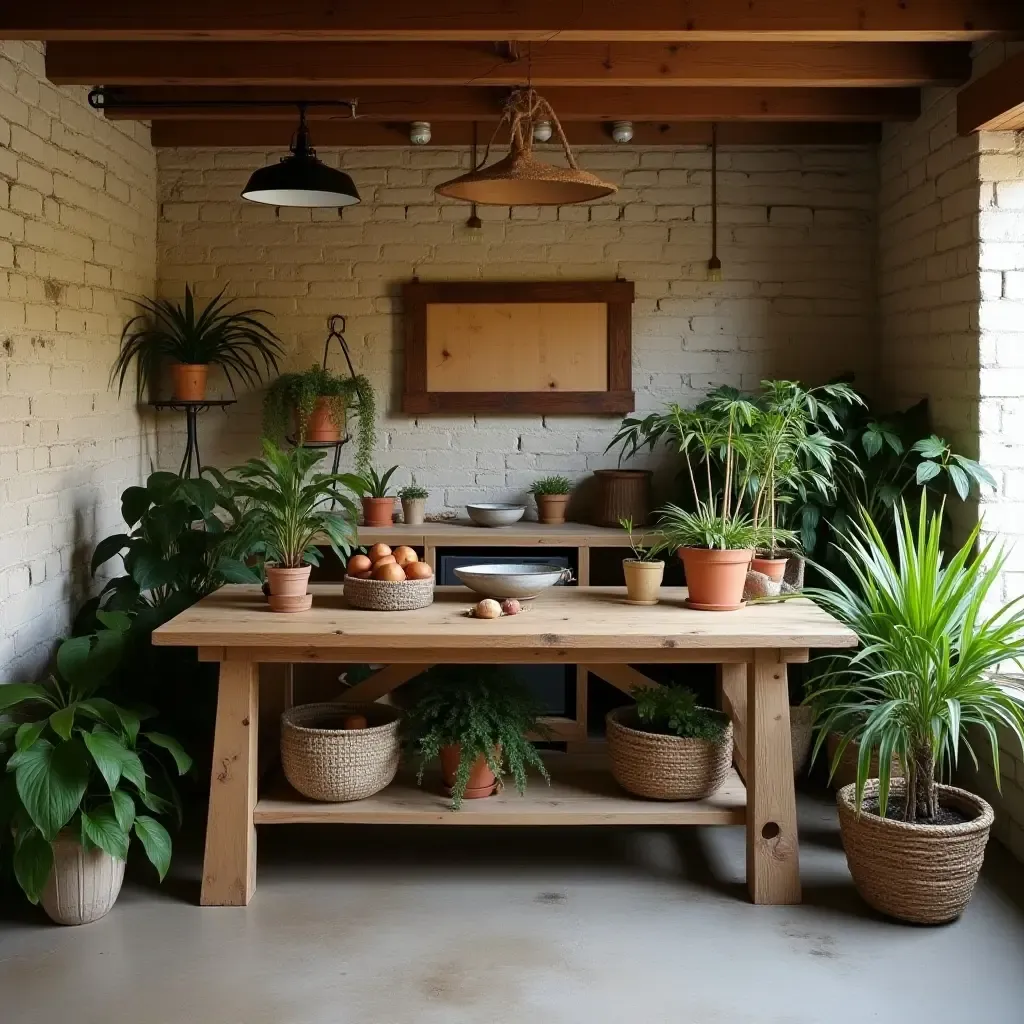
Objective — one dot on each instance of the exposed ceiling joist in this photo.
(443, 63)
(538, 20)
(995, 102)
(276, 134)
(391, 103)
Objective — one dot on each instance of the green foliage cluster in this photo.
(375, 485)
(297, 394)
(641, 552)
(412, 492)
(673, 710)
(929, 641)
(76, 761)
(233, 339)
(552, 485)
(482, 708)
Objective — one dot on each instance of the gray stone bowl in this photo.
(524, 582)
(496, 514)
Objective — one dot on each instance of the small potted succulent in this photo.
(235, 340)
(932, 633)
(79, 770)
(288, 509)
(414, 498)
(378, 501)
(475, 718)
(644, 571)
(314, 405)
(552, 496)
(667, 747)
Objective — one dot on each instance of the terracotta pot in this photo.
(924, 874)
(189, 381)
(773, 568)
(481, 779)
(321, 427)
(82, 886)
(288, 589)
(622, 494)
(413, 510)
(715, 578)
(643, 579)
(551, 508)
(378, 511)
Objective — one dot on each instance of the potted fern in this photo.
(552, 496)
(288, 509)
(314, 405)
(644, 571)
(930, 642)
(378, 501)
(194, 340)
(414, 499)
(475, 718)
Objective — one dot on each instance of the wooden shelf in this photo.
(582, 792)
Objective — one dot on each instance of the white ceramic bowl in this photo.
(496, 514)
(524, 582)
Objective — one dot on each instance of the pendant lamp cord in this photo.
(714, 190)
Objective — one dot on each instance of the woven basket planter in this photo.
(924, 874)
(661, 767)
(387, 596)
(323, 761)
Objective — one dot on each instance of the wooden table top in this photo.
(575, 618)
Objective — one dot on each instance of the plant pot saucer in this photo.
(699, 607)
(644, 603)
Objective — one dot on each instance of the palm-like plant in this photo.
(287, 506)
(928, 646)
(233, 339)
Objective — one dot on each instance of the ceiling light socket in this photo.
(542, 131)
(419, 133)
(622, 131)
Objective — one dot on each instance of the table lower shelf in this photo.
(582, 792)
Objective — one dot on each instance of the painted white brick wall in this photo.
(797, 238)
(77, 235)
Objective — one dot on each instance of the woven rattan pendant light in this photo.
(520, 179)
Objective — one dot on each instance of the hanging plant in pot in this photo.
(922, 676)
(193, 341)
(552, 496)
(378, 501)
(475, 719)
(644, 571)
(288, 509)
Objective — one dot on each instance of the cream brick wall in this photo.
(797, 231)
(77, 235)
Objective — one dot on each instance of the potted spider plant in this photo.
(193, 340)
(552, 496)
(475, 718)
(644, 571)
(930, 642)
(288, 509)
(314, 405)
(414, 499)
(378, 501)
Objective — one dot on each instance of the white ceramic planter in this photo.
(82, 886)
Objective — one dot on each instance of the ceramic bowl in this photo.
(496, 514)
(524, 582)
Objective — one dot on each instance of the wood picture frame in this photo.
(609, 388)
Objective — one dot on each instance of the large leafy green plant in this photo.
(482, 708)
(929, 643)
(288, 505)
(233, 339)
(78, 763)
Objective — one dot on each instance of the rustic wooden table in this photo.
(592, 626)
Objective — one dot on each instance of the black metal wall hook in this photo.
(336, 324)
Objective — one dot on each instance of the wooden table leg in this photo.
(773, 855)
(229, 864)
(732, 682)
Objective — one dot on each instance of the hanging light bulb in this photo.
(300, 179)
(714, 264)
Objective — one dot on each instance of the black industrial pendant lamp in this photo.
(300, 179)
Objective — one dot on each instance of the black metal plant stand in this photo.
(192, 411)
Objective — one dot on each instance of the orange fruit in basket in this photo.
(418, 571)
(359, 564)
(390, 572)
(378, 551)
(405, 555)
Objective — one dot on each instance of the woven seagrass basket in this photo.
(919, 873)
(324, 761)
(661, 767)
(387, 596)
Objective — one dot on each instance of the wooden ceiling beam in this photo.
(391, 103)
(522, 20)
(995, 102)
(275, 135)
(442, 63)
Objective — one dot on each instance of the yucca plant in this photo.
(164, 330)
(375, 484)
(287, 505)
(929, 643)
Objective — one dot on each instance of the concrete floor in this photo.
(440, 926)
